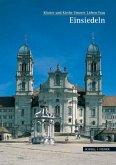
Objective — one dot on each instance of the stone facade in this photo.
(62, 98)
(93, 89)
(74, 108)
(109, 112)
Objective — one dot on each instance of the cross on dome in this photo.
(93, 38)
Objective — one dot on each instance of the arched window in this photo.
(93, 122)
(24, 67)
(57, 79)
(23, 86)
(93, 86)
(69, 120)
(57, 110)
(93, 67)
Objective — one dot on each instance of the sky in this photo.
(53, 40)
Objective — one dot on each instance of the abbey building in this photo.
(75, 109)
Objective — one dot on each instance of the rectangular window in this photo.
(113, 110)
(4, 117)
(22, 122)
(109, 110)
(57, 100)
(10, 116)
(106, 110)
(5, 124)
(10, 110)
(103, 110)
(10, 124)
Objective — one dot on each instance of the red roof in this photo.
(109, 101)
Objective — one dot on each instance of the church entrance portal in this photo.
(57, 127)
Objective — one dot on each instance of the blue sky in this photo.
(53, 40)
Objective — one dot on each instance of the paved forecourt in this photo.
(57, 154)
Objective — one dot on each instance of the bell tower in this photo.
(24, 75)
(93, 88)
(93, 76)
(24, 91)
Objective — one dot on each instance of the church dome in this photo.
(24, 50)
(93, 49)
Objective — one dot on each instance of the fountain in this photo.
(43, 126)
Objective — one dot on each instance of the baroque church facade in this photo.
(75, 109)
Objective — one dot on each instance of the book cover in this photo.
(60, 55)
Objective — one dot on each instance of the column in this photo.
(48, 130)
(42, 128)
(35, 128)
(52, 129)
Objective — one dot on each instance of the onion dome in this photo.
(93, 49)
(24, 50)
